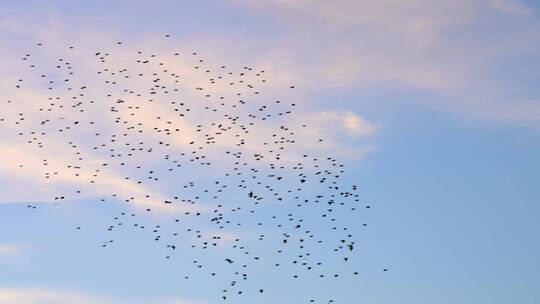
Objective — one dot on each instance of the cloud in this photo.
(47, 296)
(477, 58)
(26, 162)
(38, 295)
(8, 249)
(510, 6)
(335, 126)
(85, 171)
(327, 121)
(181, 301)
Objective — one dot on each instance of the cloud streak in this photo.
(40, 295)
(8, 249)
(458, 50)
(85, 171)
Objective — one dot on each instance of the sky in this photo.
(432, 105)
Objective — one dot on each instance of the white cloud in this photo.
(59, 155)
(47, 296)
(463, 51)
(357, 125)
(332, 125)
(38, 295)
(30, 159)
(8, 249)
(470, 54)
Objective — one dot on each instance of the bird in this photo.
(152, 131)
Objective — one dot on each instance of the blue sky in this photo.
(445, 147)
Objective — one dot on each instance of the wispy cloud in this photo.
(47, 296)
(7, 250)
(39, 295)
(476, 57)
(24, 162)
(470, 54)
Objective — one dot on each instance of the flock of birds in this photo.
(224, 168)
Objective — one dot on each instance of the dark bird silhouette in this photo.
(171, 131)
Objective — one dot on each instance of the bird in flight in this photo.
(168, 132)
